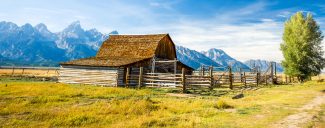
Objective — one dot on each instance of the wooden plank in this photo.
(211, 77)
(183, 80)
(165, 84)
(230, 78)
(208, 81)
(94, 76)
(155, 80)
(140, 77)
(169, 77)
(198, 84)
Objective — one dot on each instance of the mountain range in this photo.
(29, 45)
(194, 58)
(262, 64)
(37, 46)
(224, 59)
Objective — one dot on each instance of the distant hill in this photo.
(263, 64)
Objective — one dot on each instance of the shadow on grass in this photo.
(208, 92)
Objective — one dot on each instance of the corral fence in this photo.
(207, 77)
(211, 77)
(168, 80)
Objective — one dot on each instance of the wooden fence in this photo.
(174, 80)
(162, 80)
(208, 78)
(205, 79)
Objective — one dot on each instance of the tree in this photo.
(301, 47)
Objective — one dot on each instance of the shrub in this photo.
(221, 104)
(76, 120)
(46, 99)
(132, 106)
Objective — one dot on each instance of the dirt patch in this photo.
(232, 110)
(181, 95)
(259, 116)
(315, 103)
(301, 118)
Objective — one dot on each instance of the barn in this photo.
(120, 57)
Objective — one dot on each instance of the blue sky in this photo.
(246, 29)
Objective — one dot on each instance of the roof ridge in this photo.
(138, 34)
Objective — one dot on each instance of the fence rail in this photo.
(162, 80)
(205, 78)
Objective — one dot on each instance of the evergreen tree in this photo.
(301, 47)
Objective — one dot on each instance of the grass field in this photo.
(30, 72)
(50, 104)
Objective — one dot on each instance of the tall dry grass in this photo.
(29, 72)
(50, 104)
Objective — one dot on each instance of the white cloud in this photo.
(168, 5)
(285, 14)
(323, 44)
(242, 41)
(257, 39)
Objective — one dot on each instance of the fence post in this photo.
(289, 79)
(183, 80)
(230, 78)
(257, 78)
(22, 73)
(203, 72)
(175, 66)
(245, 79)
(127, 77)
(241, 75)
(241, 78)
(272, 72)
(275, 75)
(265, 79)
(13, 70)
(211, 77)
(140, 77)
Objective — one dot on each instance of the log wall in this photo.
(88, 75)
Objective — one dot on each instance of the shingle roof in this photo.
(121, 50)
(104, 62)
(130, 46)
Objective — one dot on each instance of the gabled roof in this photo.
(104, 61)
(130, 46)
(120, 50)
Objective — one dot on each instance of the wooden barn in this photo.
(120, 57)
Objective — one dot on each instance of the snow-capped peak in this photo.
(221, 57)
(113, 32)
(74, 27)
(8, 26)
(41, 27)
(27, 28)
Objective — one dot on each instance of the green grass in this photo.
(50, 104)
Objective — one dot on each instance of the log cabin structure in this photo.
(120, 57)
